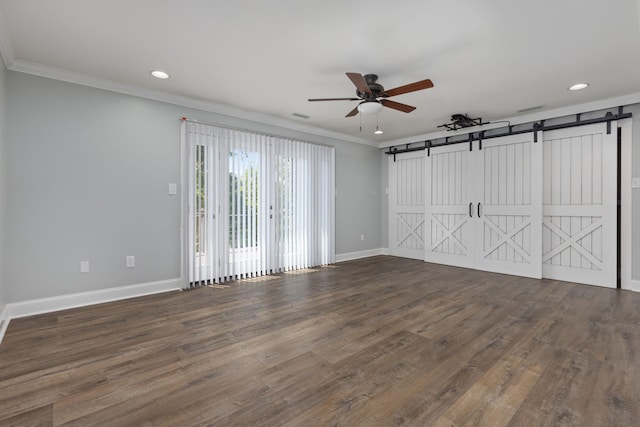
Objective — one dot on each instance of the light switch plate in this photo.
(173, 188)
(130, 261)
(84, 266)
(635, 182)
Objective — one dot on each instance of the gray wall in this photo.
(384, 199)
(3, 185)
(635, 201)
(88, 176)
(635, 226)
(358, 199)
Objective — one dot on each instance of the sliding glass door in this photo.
(253, 204)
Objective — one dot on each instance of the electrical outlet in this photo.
(362, 237)
(635, 182)
(173, 188)
(84, 266)
(130, 261)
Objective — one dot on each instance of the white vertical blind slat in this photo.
(225, 206)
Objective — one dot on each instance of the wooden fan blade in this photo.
(411, 87)
(397, 106)
(360, 82)
(352, 112)
(334, 99)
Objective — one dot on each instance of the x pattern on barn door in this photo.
(406, 202)
(449, 209)
(483, 206)
(579, 206)
(509, 189)
(545, 209)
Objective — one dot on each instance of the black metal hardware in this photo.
(460, 121)
(479, 212)
(470, 210)
(428, 148)
(480, 136)
(608, 118)
(609, 115)
(536, 128)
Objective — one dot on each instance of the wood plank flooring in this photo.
(374, 342)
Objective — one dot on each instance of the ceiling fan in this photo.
(372, 95)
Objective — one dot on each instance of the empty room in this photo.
(349, 213)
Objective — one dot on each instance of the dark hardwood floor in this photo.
(373, 342)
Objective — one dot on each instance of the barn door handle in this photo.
(479, 211)
(470, 209)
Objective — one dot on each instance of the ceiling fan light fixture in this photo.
(369, 107)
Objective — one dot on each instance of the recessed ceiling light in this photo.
(160, 74)
(579, 86)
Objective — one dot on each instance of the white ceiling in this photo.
(487, 58)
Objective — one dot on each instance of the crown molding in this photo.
(55, 73)
(524, 118)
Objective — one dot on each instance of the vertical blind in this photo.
(253, 204)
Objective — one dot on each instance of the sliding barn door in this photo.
(579, 209)
(406, 203)
(449, 207)
(509, 210)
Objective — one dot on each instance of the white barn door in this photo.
(449, 208)
(580, 205)
(509, 209)
(406, 203)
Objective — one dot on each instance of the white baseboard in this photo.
(63, 302)
(360, 254)
(4, 321)
(635, 285)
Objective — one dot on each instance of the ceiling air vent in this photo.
(524, 110)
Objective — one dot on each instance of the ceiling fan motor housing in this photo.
(376, 88)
